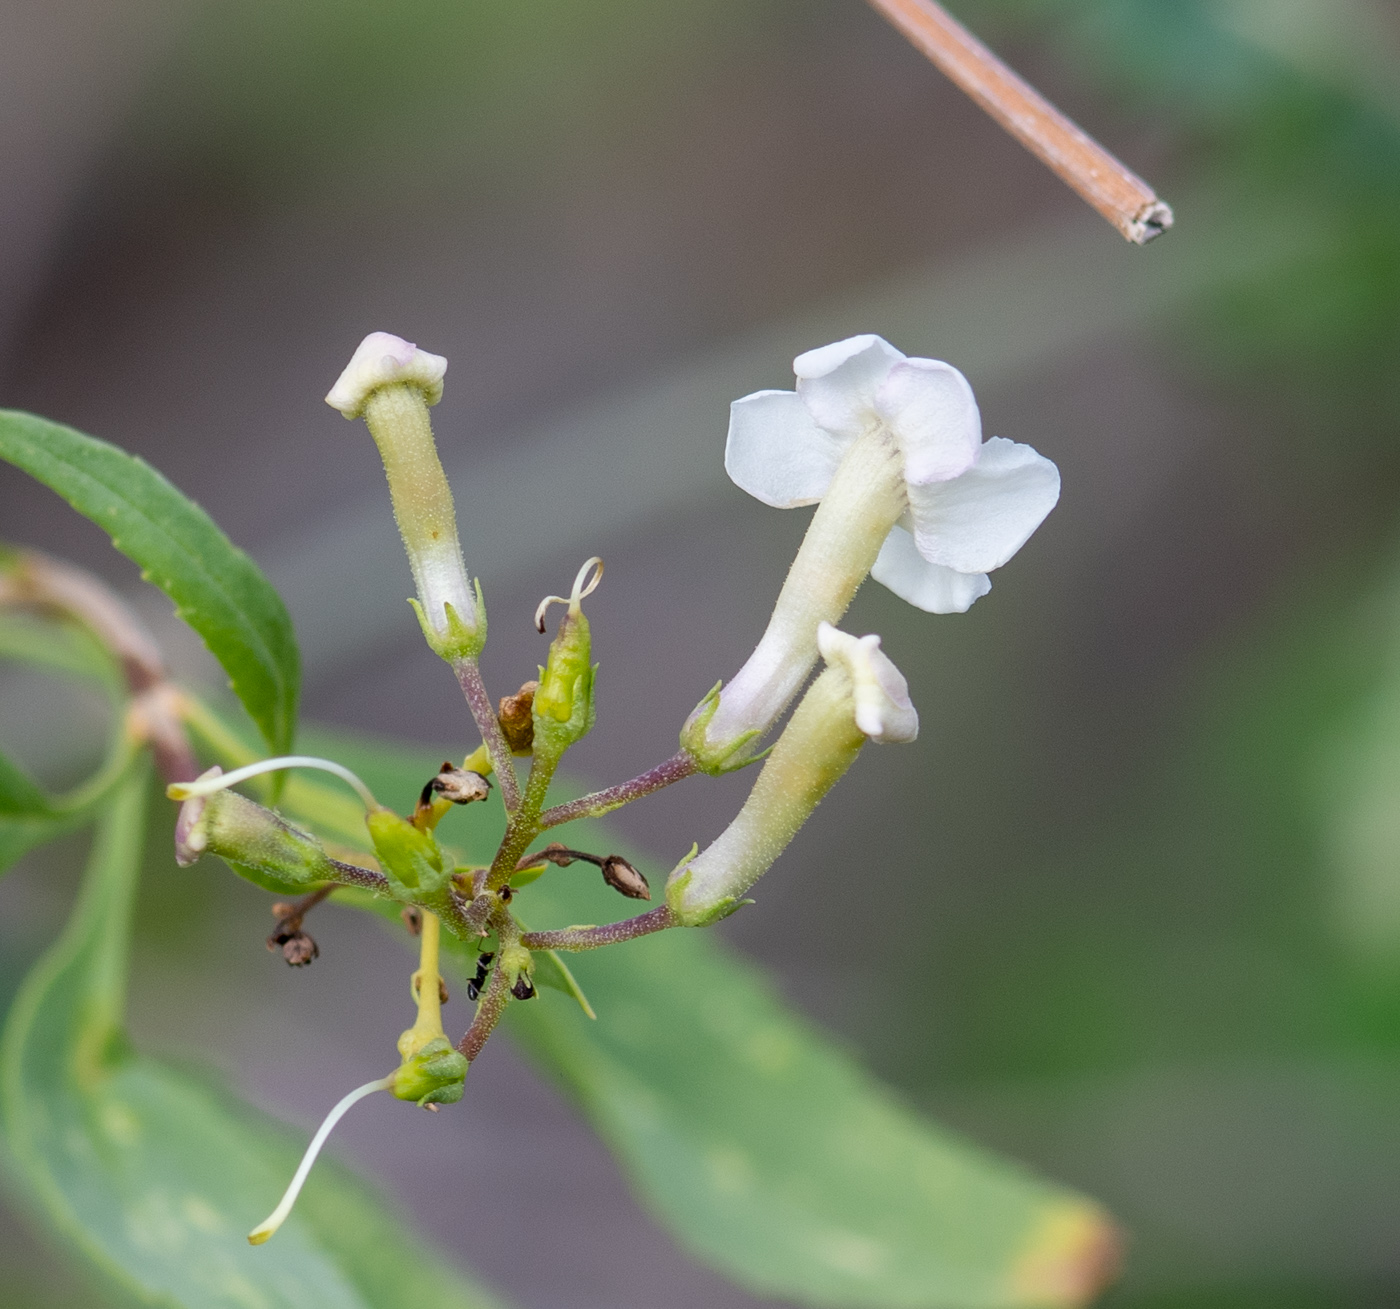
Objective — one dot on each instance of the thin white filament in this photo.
(579, 593)
(207, 785)
(278, 1216)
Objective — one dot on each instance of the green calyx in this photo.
(459, 641)
(728, 756)
(435, 1074)
(411, 859)
(705, 916)
(563, 708)
(261, 845)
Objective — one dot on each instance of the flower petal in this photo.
(777, 453)
(931, 410)
(880, 695)
(382, 359)
(926, 586)
(976, 522)
(838, 383)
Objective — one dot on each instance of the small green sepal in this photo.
(696, 915)
(459, 641)
(728, 757)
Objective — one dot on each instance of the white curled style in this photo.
(584, 586)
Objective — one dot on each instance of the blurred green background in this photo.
(1138, 882)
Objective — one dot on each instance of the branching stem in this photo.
(496, 996)
(592, 938)
(484, 714)
(680, 765)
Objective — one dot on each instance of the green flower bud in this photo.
(262, 846)
(436, 1074)
(412, 861)
(563, 710)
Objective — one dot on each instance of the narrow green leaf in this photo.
(154, 1177)
(763, 1147)
(217, 589)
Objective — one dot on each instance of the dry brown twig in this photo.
(1117, 193)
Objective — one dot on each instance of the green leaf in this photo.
(154, 1177)
(763, 1147)
(216, 588)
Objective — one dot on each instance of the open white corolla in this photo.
(891, 450)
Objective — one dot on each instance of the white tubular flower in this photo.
(859, 696)
(391, 384)
(891, 450)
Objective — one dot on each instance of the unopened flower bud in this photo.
(517, 718)
(859, 696)
(432, 1075)
(260, 844)
(621, 876)
(390, 383)
(411, 859)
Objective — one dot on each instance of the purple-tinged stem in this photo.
(484, 713)
(353, 875)
(488, 1013)
(591, 938)
(678, 766)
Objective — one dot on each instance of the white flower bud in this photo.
(879, 693)
(381, 360)
(860, 696)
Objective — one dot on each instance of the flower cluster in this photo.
(888, 448)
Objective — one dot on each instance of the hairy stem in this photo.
(484, 714)
(592, 938)
(496, 996)
(680, 765)
(353, 875)
(524, 825)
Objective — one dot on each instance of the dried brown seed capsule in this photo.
(621, 876)
(299, 950)
(458, 785)
(517, 718)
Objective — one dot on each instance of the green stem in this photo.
(524, 824)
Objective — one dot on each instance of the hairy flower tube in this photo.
(391, 384)
(891, 451)
(859, 696)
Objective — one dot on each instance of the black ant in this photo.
(483, 966)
